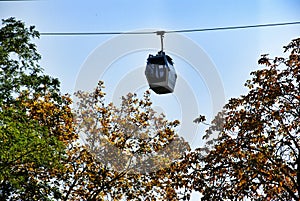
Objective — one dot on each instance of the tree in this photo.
(129, 152)
(125, 151)
(132, 153)
(256, 155)
(35, 119)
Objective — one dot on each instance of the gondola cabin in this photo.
(160, 73)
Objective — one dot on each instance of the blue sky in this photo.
(233, 53)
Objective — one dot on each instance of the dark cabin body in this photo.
(160, 73)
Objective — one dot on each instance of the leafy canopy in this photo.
(257, 153)
(132, 153)
(126, 151)
(35, 119)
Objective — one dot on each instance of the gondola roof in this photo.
(159, 59)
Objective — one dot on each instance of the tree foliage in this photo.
(35, 119)
(129, 152)
(256, 155)
(126, 153)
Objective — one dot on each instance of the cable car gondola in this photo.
(160, 72)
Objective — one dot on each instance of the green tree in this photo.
(130, 152)
(256, 155)
(35, 119)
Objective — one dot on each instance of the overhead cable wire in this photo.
(234, 27)
(170, 31)
(93, 33)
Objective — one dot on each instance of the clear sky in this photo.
(233, 54)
